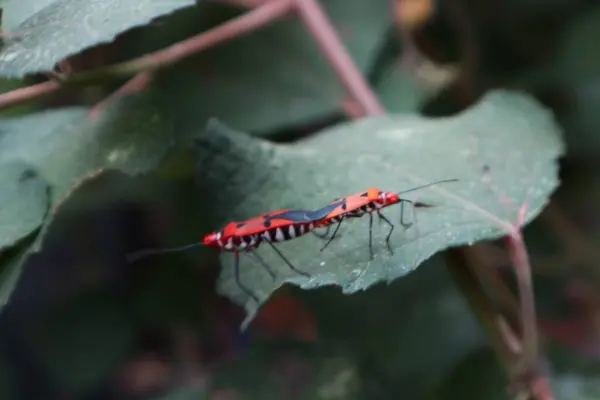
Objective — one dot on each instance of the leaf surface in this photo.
(70, 145)
(41, 33)
(23, 202)
(132, 135)
(503, 150)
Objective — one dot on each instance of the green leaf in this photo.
(7, 85)
(277, 76)
(71, 145)
(11, 270)
(507, 134)
(83, 342)
(46, 32)
(23, 202)
(131, 135)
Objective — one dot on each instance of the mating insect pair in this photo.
(246, 236)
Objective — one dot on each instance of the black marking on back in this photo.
(365, 194)
(300, 216)
(291, 215)
(323, 212)
(240, 225)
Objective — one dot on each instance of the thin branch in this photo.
(504, 340)
(321, 28)
(540, 390)
(253, 20)
(488, 272)
(352, 109)
(520, 261)
(500, 335)
(22, 95)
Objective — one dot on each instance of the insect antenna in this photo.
(416, 204)
(132, 257)
(238, 281)
(427, 185)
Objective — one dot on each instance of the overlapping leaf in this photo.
(503, 150)
(68, 145)
(277, 76)
(39, 34)
(131, 135)
(23, 202)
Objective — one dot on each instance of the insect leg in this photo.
(236, 272)
(286, 260)
(389, 235)
(323, 236)
(371, 235)
(264, 264)
(334, 233)
(405, 225)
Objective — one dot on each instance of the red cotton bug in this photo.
(368, 202)
(246, 236)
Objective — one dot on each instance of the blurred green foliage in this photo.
(257, 124)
